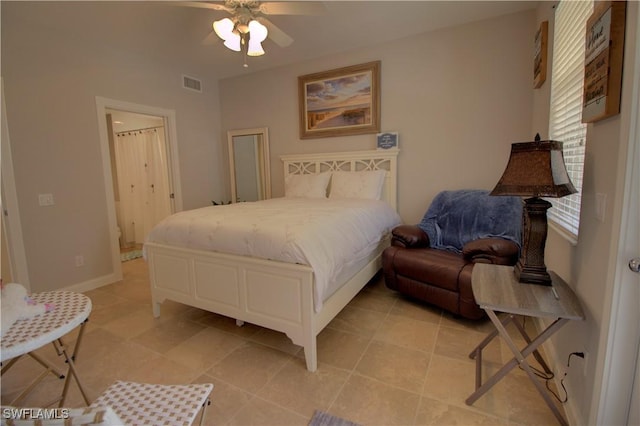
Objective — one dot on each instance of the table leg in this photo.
(519, 358)
(37, 358)
(536, 354)
(49, 368)
(69, 358)
(46, 364)
(477, 351)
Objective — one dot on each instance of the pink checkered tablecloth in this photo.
(71, 310)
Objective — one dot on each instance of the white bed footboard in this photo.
(275, 295)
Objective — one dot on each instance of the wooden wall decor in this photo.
(604, 52)
(540, 57)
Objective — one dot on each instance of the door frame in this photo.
(171, 138)
(622, 333)
(11, 223)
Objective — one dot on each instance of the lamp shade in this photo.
(223, 28)
(233, 42)
(257, 31)
(254, 48)
(535, 169)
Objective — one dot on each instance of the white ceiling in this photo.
(168, 29)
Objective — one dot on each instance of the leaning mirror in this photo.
(249, 164)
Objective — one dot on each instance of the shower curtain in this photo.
(143, 182)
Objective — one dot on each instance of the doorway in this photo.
(140, 177)
(152, 128)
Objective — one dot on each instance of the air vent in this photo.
(191, 83)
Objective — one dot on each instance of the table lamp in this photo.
(535, 169)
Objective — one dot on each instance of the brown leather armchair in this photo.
(427, 264)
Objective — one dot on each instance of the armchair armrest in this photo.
(491, 250)
(409, 236)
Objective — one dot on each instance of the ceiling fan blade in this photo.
(278, 36)
(210, 39)
(292, 8)
(203, 5)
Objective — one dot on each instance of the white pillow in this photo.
(365, 184)
(307, 186)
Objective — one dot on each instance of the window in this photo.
(565, 116)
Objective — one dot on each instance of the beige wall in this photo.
(458, 98)
(588, 266)
(51, 82)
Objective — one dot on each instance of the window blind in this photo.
(565, 115)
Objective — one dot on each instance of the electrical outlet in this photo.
(79, 260)
(45, 199)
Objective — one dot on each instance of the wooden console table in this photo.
(496, 289)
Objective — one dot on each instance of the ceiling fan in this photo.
(248, 26)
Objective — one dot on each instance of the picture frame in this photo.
(340, 102)
(604, 53)
(540, 55)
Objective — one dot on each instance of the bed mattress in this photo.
(329, 235)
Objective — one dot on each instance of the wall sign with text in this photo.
(604, 50)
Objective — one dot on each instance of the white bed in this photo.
(275, 294)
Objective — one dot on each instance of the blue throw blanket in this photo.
(458, 217)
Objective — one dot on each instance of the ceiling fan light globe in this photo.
(255, 48)
(223, 28)
(233, 42)
(257, 31)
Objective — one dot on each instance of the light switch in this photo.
(601, 206)
(45, 199)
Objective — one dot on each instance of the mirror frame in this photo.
(265, 160)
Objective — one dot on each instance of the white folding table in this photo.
(71, 310)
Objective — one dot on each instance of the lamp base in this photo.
(531, 274)
(530, 268)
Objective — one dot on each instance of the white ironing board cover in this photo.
(71, 310)
(150, 404)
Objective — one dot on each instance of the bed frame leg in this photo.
(156, 308)
(311, 355)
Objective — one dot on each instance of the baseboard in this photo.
(93, 283)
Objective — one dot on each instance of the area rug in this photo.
(320, 418)
(130, 255)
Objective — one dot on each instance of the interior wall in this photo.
(458, 98)
(588, 266)
(53, 79)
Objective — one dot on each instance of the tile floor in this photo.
(384, 360)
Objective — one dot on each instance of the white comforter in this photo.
(326, 234)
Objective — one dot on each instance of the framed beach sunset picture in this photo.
(344, 101)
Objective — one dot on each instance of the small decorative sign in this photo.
(604, 50)
(388, 140)
(540, 57)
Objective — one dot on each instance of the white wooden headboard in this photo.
(300, 164)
